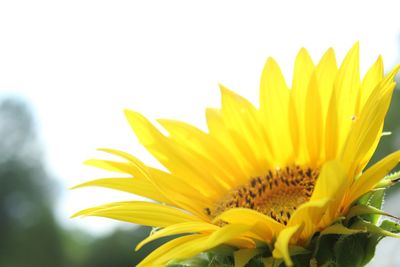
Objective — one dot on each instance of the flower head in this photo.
(278, 174)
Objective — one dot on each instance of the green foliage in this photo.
(29, 233)
(349, 250)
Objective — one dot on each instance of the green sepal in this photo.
(389, 180)
(340, 229)
(373, 229)
(374, 199)
(390, 226)
(361, 209)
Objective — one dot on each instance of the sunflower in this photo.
(277, 174)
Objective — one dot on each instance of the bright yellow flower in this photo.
(277, 173)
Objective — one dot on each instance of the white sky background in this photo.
(80, 63)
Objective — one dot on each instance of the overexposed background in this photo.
(80, 63)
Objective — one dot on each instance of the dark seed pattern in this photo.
(277, 194)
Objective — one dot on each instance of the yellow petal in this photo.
(272, 85)
(131, 185)
(138, 212)
(281, 246)
(332, 147)
(226, 233)
(241, 117)
(386, 84)
(274, 107)
(171, 155)
(325, 200)
(108, 165)
(157, 184)
(303, 70)
(372, 176)
(317, 117)
(196, 246)
(347, 90)
(331, 181)
(134, 167)
(263, 226)
(370, 81)
(242, 242)
(121, 154)
(328, 194)
(196, 140)
(215, 123)
(173, 245)
(179, 228)
(218, 130)
(325, 74)
(183, 251)
(313, 121)
(367, 128)
(180, 192)
(309, 215)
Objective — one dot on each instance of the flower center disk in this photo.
(277, 194)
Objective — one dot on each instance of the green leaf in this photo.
(323, 252)
(370, 247)
(349, 250)
(356, 250)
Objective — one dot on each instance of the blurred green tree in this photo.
(28, 231)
